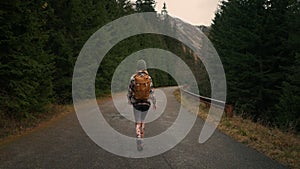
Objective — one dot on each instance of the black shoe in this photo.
(139, 144)
(139, 148)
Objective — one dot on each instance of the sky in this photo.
(195, 12)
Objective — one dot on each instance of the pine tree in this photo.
(63, 29)
(288, 108)
(26, 68)
(235, 33)
(71, 24)
(145, 5)
(251, 38)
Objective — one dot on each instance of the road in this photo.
(64, 144)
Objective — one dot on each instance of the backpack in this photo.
(142, 86)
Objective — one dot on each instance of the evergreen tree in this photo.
(60, 45)
(25, 67)
(235, 33)
(40, 42)
(71, 24)
(252, 40)
(145, 5)
(288, 108)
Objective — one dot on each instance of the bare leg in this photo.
(138, 129)
(143, 130)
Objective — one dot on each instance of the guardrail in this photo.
(228, 109)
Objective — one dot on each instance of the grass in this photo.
(280, 146)
(12, 128)
(283, 147)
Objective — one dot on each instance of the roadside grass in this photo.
(11, 128)
(283, 147)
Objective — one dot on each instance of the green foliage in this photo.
(288, 108)
(71, 24)
(145, 5)
(40, 41)
(256, 43)
(25, 67)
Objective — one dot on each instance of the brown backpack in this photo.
(142, 86)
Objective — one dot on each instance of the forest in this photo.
(257, 40)
(259, 45)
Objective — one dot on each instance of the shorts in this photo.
(139, 116)
(142, 105)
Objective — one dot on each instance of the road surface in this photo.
(63, 144)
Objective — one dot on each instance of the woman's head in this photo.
(141, 65)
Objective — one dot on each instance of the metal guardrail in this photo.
(212, 102)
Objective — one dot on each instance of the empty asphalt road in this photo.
(63, 145)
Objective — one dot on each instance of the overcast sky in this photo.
(195, 12)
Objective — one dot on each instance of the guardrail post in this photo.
(228, 110)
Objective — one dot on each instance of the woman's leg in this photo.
(143, 116)
(140, 122)
(138, 125)
(138, 130)
(142, 129)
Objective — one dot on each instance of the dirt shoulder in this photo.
(11, 129)
(281, 146)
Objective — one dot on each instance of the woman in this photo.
(140, 92)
